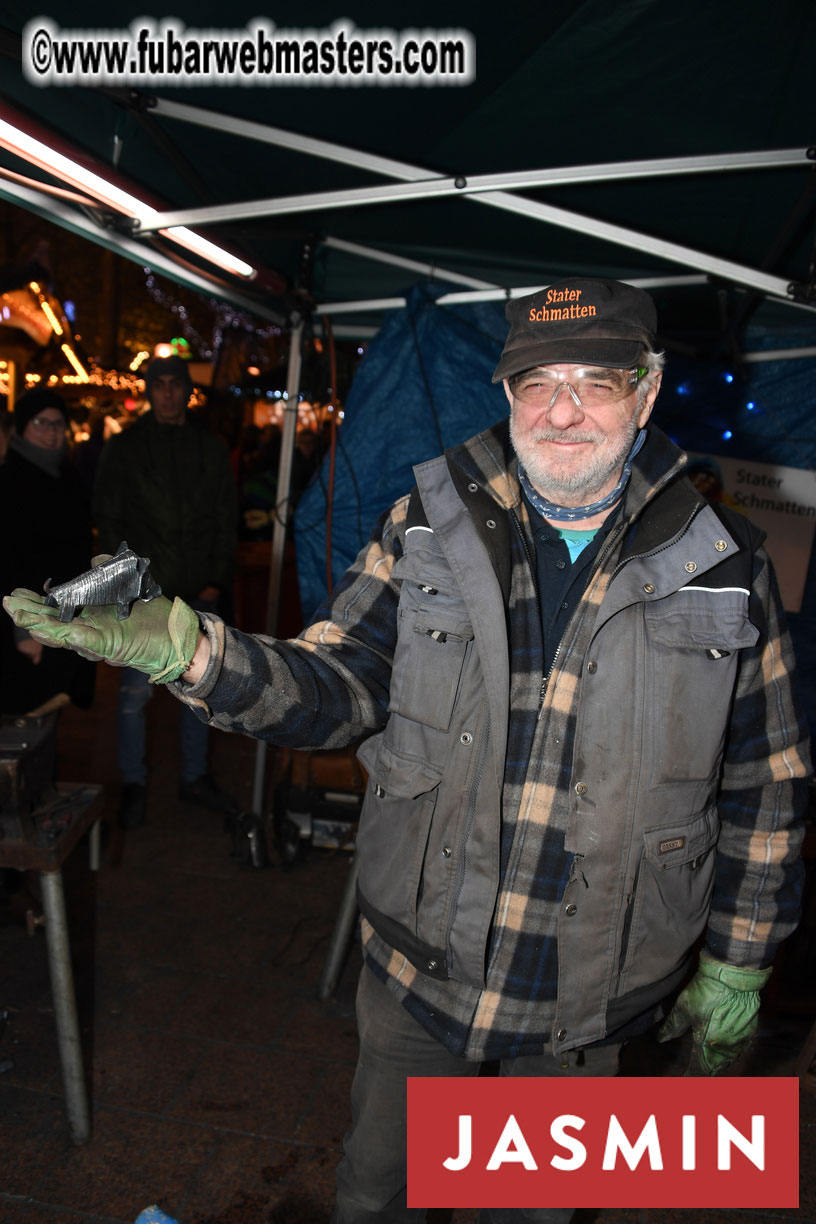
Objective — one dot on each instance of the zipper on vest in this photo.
(599, 560)
(531, 562)
(614, 535)
(470, 812)
(545, 680)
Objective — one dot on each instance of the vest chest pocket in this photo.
(435, 637)
(693, 640)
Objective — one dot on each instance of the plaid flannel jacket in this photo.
(331, 687)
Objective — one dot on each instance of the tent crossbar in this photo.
(675, 252)
(436, 187)
(778, 354)
(400, 261)
(335, 308)
(493, 295)
(392, 168)
(725, 269)
(298, 143)
(350, 331)
(53, 210)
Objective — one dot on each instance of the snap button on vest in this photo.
(691, 566)
(432, 965)
(571, 909)
(465, 738)
(649, 588)
(581, 788)
(721, 545)
(592, 666)
(561, 1034)
(473, 487)
(447, 852)
(491, 523)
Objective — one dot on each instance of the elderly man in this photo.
(584, 751)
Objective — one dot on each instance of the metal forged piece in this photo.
(120, 579)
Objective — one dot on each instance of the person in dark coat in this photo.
(51, 539)
(165, 485)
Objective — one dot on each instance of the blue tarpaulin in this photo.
(423, 385)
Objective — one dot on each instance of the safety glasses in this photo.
(589, 386)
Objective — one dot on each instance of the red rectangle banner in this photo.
(624, 1142)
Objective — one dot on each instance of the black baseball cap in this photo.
(583, 319)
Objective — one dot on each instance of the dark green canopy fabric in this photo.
(566, 83)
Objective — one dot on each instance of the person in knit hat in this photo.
(42, 403)
(46, 512)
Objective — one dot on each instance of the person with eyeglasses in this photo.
(46, 516)
(588, 768)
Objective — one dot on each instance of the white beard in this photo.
(564, 485)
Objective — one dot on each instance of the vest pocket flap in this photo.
(394, 776)
(431, 651)
(674, 845)
(443, 624)
(699, 619)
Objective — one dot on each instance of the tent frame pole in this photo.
(282, 518)
(494, 295)
(726, 269)
(434, 271)
(44, 205)
(391, 168)
(434, 187)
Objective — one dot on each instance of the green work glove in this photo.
(158, 637)
(719, 1005)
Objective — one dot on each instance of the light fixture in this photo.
(21, 144)
(56, 326)
(75, 362)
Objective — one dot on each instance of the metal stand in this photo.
(343, 927)
(28, 847)
(62, 989)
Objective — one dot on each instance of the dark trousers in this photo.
(372, 1176)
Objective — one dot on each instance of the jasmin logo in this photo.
(512, 1146)
(585, 1142)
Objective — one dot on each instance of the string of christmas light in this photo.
(225, 317)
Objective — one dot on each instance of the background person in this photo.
(52, 540)
(165, 485)
(583, 746)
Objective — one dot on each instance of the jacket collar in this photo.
(488, 459)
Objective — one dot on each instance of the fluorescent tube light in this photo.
(22, 145)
